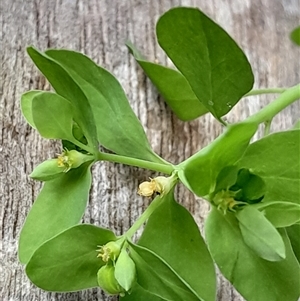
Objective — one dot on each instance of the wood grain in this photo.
(99, 29)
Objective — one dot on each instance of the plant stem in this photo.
(267, 127)
(268, 112)
(145, 215)
(82, 146)
(166, 168)
(265, 91)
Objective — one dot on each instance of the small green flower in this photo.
(72, 159)
(225, 201)
(110, 251)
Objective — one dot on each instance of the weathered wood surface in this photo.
(99, 29)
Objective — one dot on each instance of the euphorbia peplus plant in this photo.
(252, 231)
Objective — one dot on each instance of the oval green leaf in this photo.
(226, 178)
(60, 205)
(260, 235)
(199, 173)
(26, 105)
(255, 278)
(125, 271)
(280, 214)
(138, 294)
(52, 116)
(173, 235)
(283, 178)
(174, 88)
(213, 64)
(157, 277)
(68, 262)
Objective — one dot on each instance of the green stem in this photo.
(166, 168)
(82, 146)
(265, 91)
(268, 112)
(267, 127)
(143, 218)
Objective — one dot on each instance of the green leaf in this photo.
(226, 178)
(260, 235)
(138, 294)
(252, 187)
(296, 125)
(174, 88)
(157, 277)
(199, 172)
(65, 86)
(295, 36)
(26, 105)
(275, 159)
(280, 214)
(294, 236)
(68, 261)
(125, 271)
(172, 234)
(213, 64)
(60, 205)
(255, 278)
(118, 129)
(79, 136)
(52, 116)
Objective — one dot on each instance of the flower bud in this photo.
(147, 188)
(107, 281)
(159, 184)
(47, 170)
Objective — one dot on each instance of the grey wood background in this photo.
(99, 29)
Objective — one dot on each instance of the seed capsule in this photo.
(107, 281)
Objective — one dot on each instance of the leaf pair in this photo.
(199, 173)
(89, 95)
(275, 158)
(214, 73)
(215, 166)
(243, 267)
(89, 107)
(171, 258)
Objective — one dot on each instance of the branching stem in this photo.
(265, 91)
(165, 168)
(268, 112)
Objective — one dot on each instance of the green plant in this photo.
(252, 188)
